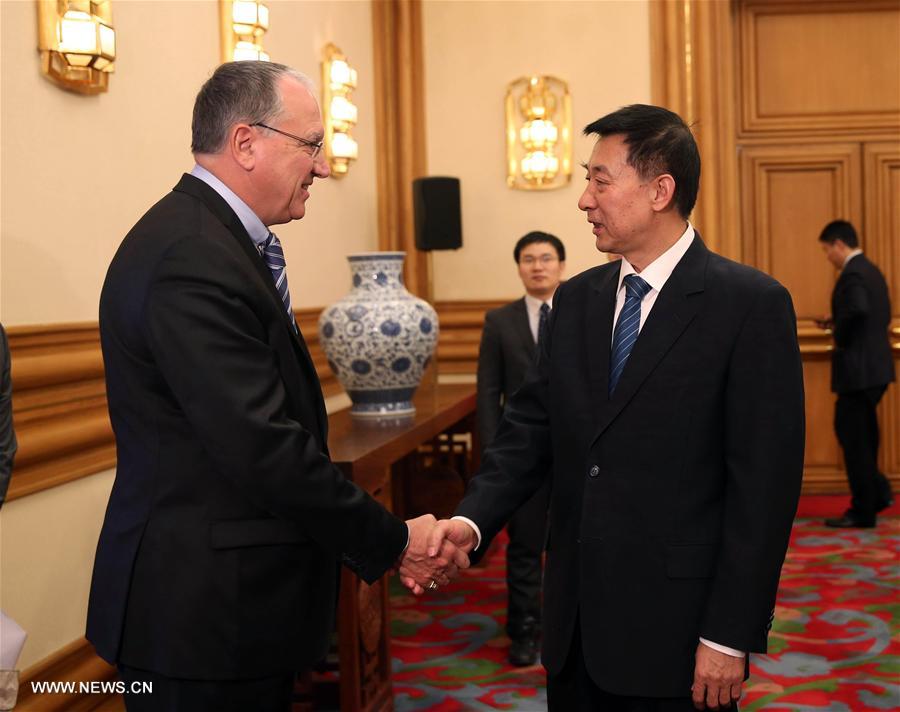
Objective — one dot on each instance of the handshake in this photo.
(437, 550)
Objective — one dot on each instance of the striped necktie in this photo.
(627, 327)
(542, 323)
(274, 259)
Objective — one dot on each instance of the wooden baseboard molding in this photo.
(76, 663)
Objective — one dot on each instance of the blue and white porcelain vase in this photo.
(379, 338)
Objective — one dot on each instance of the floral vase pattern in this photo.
(379, 339)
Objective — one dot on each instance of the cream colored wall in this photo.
(47, 544)
(472, 51)
(76, 171)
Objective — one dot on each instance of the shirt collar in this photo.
(534, 304)
(657, 272)
(853, 253)
(258, 232)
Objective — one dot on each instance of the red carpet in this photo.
(833, 505)
(834, 646)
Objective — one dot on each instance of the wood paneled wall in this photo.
(816, 135)
(59, 401)
(59, 393)
(819, 94)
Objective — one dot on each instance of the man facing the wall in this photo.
(666, 408)
(511, 335)
(216, 572)
(861, 369)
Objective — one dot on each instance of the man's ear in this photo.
(663, 192)
(242, 145)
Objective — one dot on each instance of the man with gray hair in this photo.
(217, 567)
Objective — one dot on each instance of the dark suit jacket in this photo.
(861, 310)
(506, 352)
(8, 445)
(218, 556)
(672, 501)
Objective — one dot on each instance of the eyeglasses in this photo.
(316, 146)
(529, 260)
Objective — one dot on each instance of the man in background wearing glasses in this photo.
(511, 335)
(216, 571)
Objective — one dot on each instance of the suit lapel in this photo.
(598, 330)
(675, 307)
(523, 327)
(219, 207)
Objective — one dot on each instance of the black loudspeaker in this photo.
(437, 213)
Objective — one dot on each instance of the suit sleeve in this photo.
(212, 351)
(851, 307)
(518, 461)
(764, 441)
(7, 434)
(490, 381)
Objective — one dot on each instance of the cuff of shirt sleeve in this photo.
(723, 648)
(474, 528)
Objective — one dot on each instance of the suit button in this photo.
(594, 471)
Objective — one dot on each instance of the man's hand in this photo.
(717, 679)
(420, 568)
(454, 531)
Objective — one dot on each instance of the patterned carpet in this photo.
(835, 644)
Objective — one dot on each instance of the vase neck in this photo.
(375, 273)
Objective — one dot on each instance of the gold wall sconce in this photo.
(340, 114)
(242, 26)
(538, 133)
(77, 43)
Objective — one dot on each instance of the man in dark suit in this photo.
(861, 369)
(511, 334)
(666, 406)
(216, 572)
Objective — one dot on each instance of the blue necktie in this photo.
(274, 258)
(627, 327)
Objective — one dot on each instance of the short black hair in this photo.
(840, 230)
(535, 237)
(658, 142)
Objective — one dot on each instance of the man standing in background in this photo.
(511, 335)
(861, 369)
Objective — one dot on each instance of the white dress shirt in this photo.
(655, 274)
(258, 232)
(533, 307)
(853, 253)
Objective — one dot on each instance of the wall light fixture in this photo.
(77, 43)
(538, 133)
(243, 24)
(340, 114)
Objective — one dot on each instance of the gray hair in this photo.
(238, 92)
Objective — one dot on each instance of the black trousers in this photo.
(524, 560)
(147, 691)
(856, 427)
(573, 690)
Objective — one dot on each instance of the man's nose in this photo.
(321, 169)
(586, 201)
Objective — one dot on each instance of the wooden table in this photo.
(385, 457)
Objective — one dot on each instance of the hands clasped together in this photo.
(436, 552)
